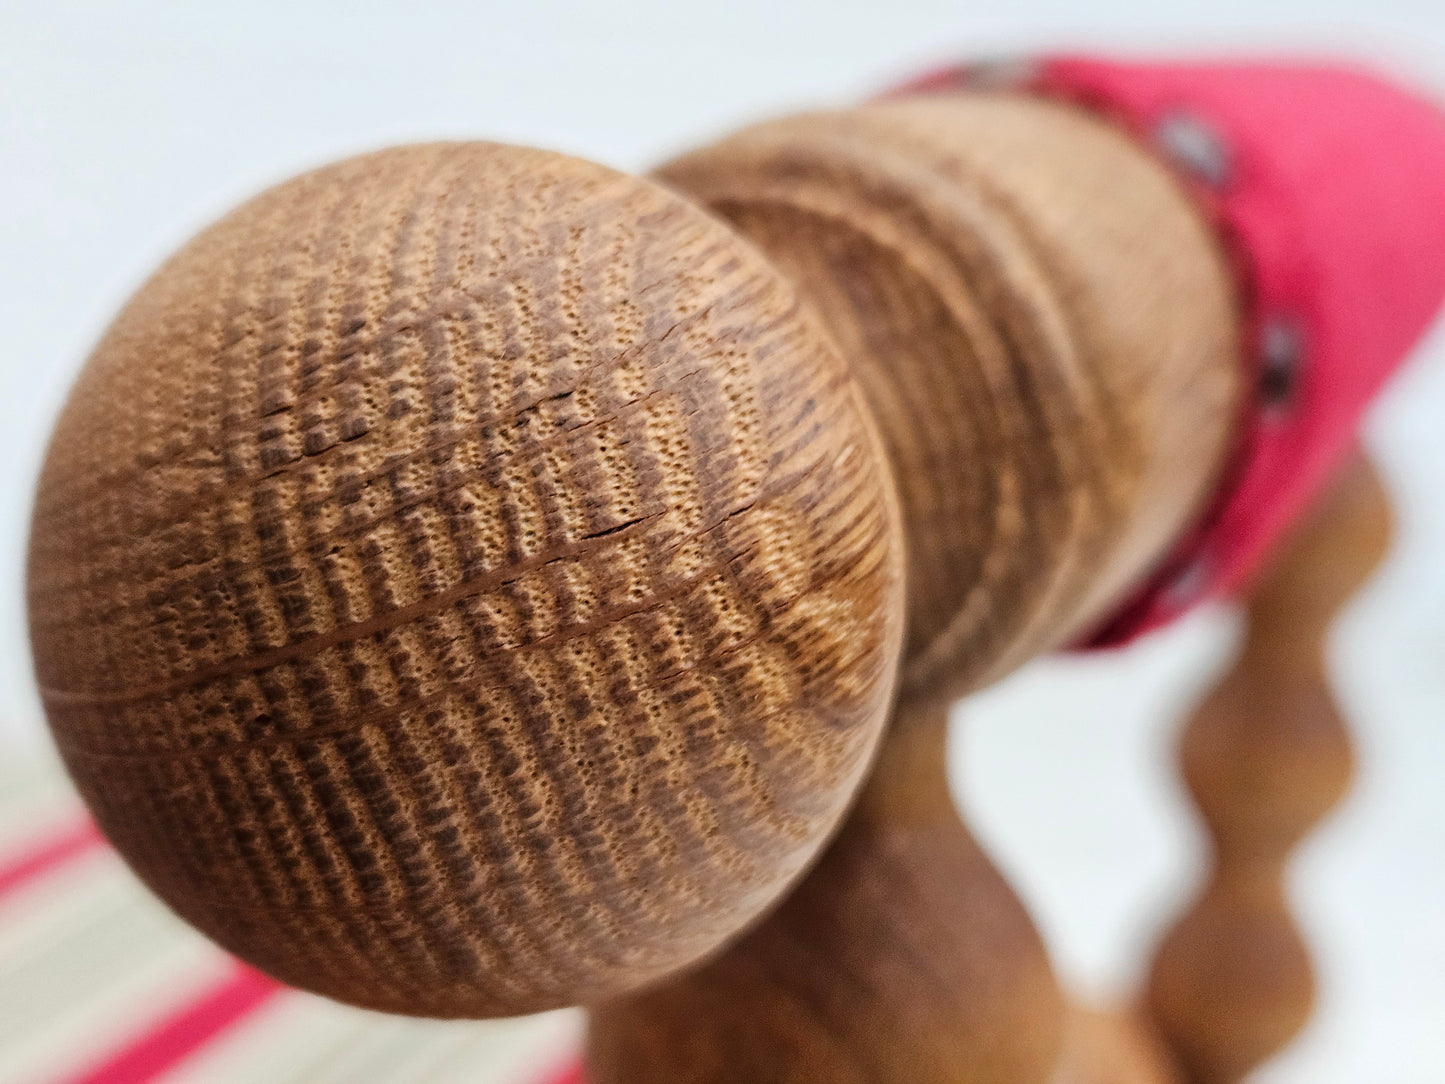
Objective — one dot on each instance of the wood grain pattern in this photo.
(1031, 305)
(1265, 758)
(902, 956)
(467, 580)
(464, 581)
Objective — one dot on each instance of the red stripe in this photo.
(185, 1031)
(48, 854)
(569, 1074)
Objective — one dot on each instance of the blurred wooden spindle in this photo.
(1265, 758)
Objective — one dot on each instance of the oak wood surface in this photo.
(464, 581)
(1031, 305)
(1266, 757)
(902, 956)
(467, 580)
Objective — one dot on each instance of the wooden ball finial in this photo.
(463, 582)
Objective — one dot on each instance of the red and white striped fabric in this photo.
(100, 984)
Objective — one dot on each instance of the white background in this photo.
(125, 126)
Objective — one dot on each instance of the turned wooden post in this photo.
(466, 580)
(1029, 303)
(902, 955)
(1265, 758)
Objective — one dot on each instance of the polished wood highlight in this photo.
(1123, 1047)
(1265, 758)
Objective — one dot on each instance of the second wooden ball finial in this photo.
(1030, 302)
(464, 582)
